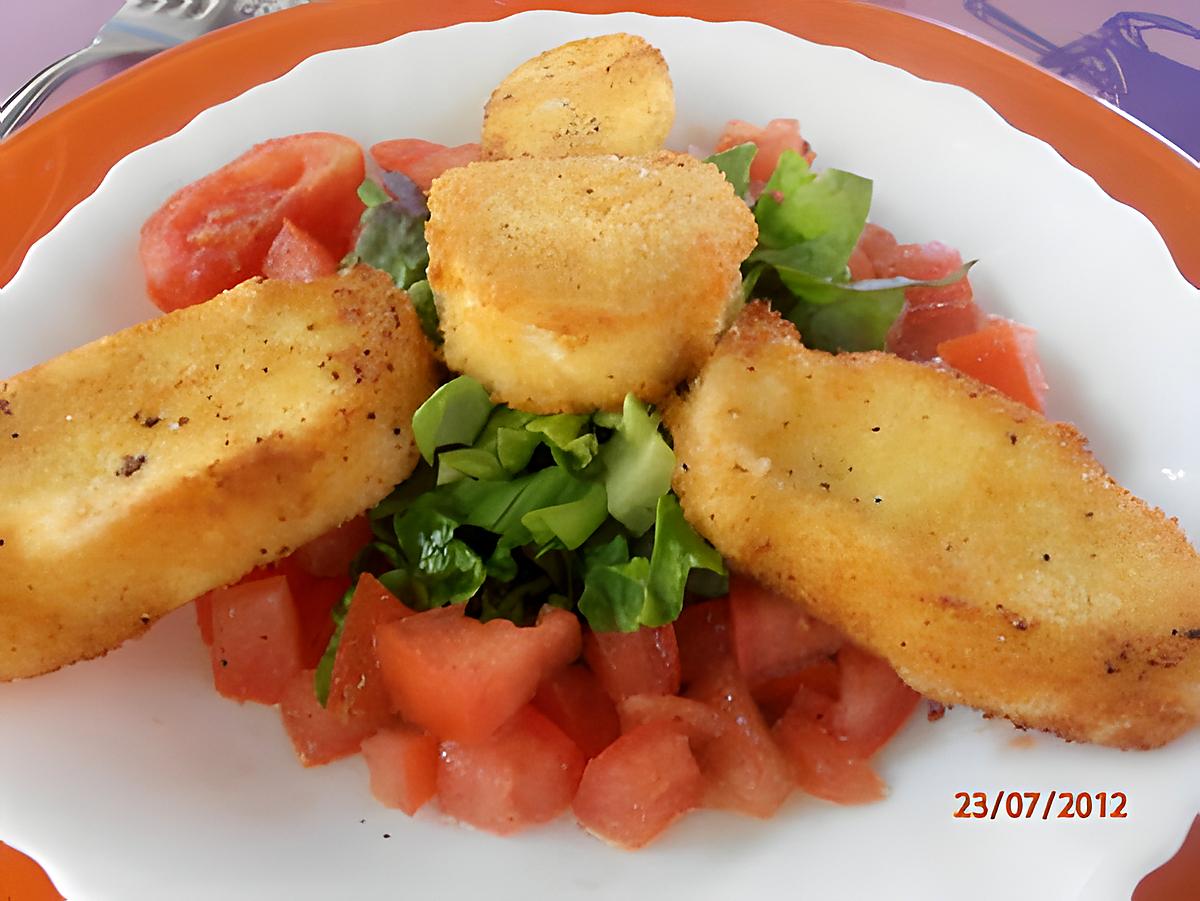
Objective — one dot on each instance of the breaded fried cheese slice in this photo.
(609, 94)
(977, 546)
(148, 467)
(563, 285)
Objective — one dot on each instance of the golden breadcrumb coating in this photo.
(150, 466)
(564, 284)
(609, 94)
(977, 546)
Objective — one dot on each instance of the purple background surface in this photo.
(1152, 73)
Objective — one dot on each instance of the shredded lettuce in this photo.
(511, 510)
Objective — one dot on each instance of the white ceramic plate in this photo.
(129, 778)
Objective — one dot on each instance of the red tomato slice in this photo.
(297, 256)
(777, 136)
(772, 635)
(1002, 354)
(422, 161)
(317, 735)
(574, 701)
(872, 704)
(331, 554)
(743, 769)
(645, 662)
(525, 774)
(256, 645)
(403, 764)
(702, 633)
(356, 687)
(216, 232)
(820, 764)
(460, 679)
(638, 786)
(775, 695)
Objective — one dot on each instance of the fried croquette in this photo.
(563, 285)
(977, 546)
(602, 95)
(148, 467)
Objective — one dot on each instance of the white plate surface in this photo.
(129, 778)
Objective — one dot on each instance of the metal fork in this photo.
(139, 28)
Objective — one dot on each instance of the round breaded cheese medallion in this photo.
(562, 285)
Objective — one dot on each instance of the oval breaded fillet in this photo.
(150, 466)
(608, 94)
(978, 547)
(563, 285)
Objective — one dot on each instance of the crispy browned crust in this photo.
(168, 459)
(608, 94)
(977, 546)
(565, 284)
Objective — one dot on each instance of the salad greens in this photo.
(391, 237)
(509, 510)
(808, 225)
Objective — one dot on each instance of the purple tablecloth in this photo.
(1147, 61)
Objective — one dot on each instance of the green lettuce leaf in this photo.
(454, 414)
(392, 240)
(678, 549)
(817, 218)
(570, 523)
(637, 467)
(420, 295)
(734, 164)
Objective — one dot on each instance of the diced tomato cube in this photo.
(777, 136)
(331, 554)
(860, 265)
(919, 331)
(460, 679)
(930, 314)
(872, 702)
(524, 774)
(772, 635)
(318, 735)
(403, 764)
(638, 786)
(574, 701)
(697, 720)
(702, 634)
(297, 256)
(422, 161)
(256, 645)
(775, 695)
(356, 686)
(216, 232)
(644, 662)
(203, 605)
(1001, 354)
(878, 245)
(822, 767)
(743, 769)
(315, 600)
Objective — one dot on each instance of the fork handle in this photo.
(25, 101)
